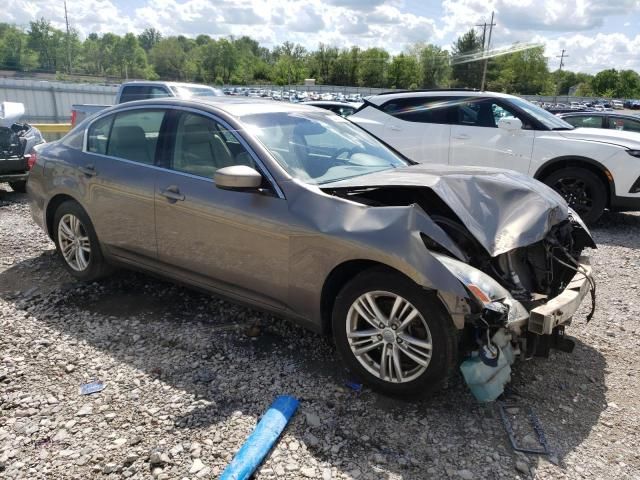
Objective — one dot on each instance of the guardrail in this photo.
(52, 127)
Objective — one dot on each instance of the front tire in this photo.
(582, 190)
(77, 243)
(394, 335)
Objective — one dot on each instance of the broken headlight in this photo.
(493, 296)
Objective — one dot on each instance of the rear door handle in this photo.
(89, 170)
(172, 193)
(462, 136)
(395, 128)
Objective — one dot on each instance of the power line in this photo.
(562, 56)
(66, 20)
(486, 60)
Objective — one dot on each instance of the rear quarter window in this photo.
(99, 135)
(421, 110)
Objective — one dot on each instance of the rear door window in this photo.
(134, 135)
(131, 93)
(420, 109)
(585, 121)
(619, 123)
(485, 112)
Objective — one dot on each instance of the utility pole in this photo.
(66, 19)
(562, 56)
(486, 51)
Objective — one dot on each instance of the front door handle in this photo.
(89, 170)
(395, 128)
(461, 136)
(172, 193)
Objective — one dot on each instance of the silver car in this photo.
(295, 210)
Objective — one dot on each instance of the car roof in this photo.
(231, 105)
(328, 103)
(379, 99)
(170, 84)
(596, 113)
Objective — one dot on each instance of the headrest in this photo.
(197, 133)
(129, 136)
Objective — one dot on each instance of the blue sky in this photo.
(596, 34)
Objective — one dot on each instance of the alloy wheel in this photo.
(74, 242)
(389, 336)
(576, 193)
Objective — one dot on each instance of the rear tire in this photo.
(19, 187)
(411, 330)
(582, 190)
(77, 243)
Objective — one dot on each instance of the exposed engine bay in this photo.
(528, 276)
(16, 143)
(13, 140)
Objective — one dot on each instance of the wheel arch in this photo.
(52, 206)
(586, 163)
(345, 272)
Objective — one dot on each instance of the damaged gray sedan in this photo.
(410, 268)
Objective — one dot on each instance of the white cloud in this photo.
(583, 27)
(594, 53)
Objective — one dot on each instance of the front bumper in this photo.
(559, 310)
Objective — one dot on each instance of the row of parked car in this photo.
(292, 95)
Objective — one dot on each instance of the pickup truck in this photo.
(16, 146)
(131, 91)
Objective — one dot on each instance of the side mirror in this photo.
(510, 124)
(237, 177)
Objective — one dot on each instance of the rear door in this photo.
(119, 170)
(234, 241)
(419, 127)
(477, 140)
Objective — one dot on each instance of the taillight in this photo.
(32, 158)
(74, 115)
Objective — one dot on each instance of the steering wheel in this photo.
(340, 151)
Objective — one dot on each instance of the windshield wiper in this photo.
(562, 128)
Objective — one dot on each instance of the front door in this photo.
(234, 241)
(477, 140)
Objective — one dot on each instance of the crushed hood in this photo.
(611, 136)
(502, 209)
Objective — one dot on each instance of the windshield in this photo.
(186, 92)
(548, 119)
(320, 147)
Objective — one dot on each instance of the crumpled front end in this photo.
(524, 300)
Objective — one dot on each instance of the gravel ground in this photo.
(188, 376)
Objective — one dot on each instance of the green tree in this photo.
(373, 67)
(169, 60)
(605, 81)
(524, 72)
(45, 41)
(149, 38)
(466, 69)
(628, 85)
(14, 51)
(434, 66)
(403, 71)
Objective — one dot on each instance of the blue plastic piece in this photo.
(486, 382)
(259, 443)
